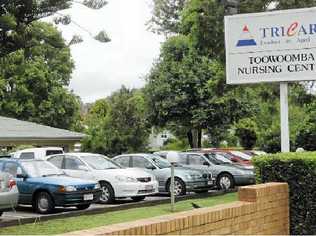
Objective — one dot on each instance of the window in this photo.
(196, 159)
(57, 161)
(123, 161)
(141, 162)
(12, 168)
(73, 163)
(27, 155)
(183, 159)
(53, 152)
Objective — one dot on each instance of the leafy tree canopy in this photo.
(33, 81)
(117, 124)
(17, 18)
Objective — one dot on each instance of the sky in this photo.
(103, 68)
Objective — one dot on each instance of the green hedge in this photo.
(299, 171)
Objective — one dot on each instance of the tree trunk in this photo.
(200, 138)
(190, 138)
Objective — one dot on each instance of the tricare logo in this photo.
(246, 38)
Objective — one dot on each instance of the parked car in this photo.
(226, 174)
(36, 153)
(44, 186)
(8, 192)
(235, 157)
(186, 179)
(115, 181)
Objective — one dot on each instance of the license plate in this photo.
(210, 182)
(149, 187)
(88, 197)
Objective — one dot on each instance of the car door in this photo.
(25, 187)
(74, 167)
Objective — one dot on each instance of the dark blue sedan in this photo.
(44, 186)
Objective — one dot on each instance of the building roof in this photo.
(13, 129)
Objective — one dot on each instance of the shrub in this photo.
(299, 171)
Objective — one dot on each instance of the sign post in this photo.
(284, 110)
(277, 46)
(173, 158)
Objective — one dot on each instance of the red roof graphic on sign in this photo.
(246, 38)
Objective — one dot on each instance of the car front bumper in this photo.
(245, 179)
(76, 198)
(8, 200)
(123, 190)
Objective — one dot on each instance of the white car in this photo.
(115, 181)
(8, 192)
(36, 153)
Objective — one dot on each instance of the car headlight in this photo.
(97, 186)
(125, 178)
(153, 178)
(67, 189)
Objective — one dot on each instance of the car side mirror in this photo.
(21, 176)
(206, 163)
(83, 167)
(150, 167)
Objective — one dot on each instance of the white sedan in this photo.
(115, 181)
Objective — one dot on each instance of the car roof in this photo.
(39, 149)
(20, 160)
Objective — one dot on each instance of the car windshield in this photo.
(99, 162)
(223, 159)
(40, 169)
(211, 158)
(160, 162)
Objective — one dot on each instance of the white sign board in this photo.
(271, 46)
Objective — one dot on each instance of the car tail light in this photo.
(11, 183)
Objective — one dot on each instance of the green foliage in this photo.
(298, 170)
(33, 81)
(246, 131)
(117, 124)
(166, 16)
(189, 90)
(176, 145)
(306, 137)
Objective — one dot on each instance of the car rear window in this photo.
(27, 155)
(53, 152)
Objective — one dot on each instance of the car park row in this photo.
(47, 177)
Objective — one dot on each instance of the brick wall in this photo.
(261, 209)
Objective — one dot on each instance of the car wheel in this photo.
(107, 195)
(179, 187)
(138, 198)
(44, 203)
(225, 181)
(83, 207)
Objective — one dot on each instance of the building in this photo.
(15, 132)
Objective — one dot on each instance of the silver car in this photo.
(227, 175)
(186, 179)
(8, 192)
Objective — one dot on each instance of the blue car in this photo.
(44, 186)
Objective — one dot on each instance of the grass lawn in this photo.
(90, 221)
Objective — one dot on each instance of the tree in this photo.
(166, 16)
(117, 124)
(246, 132)
(17, 18)
(33, 81)
(188, 89)
(306, 137)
